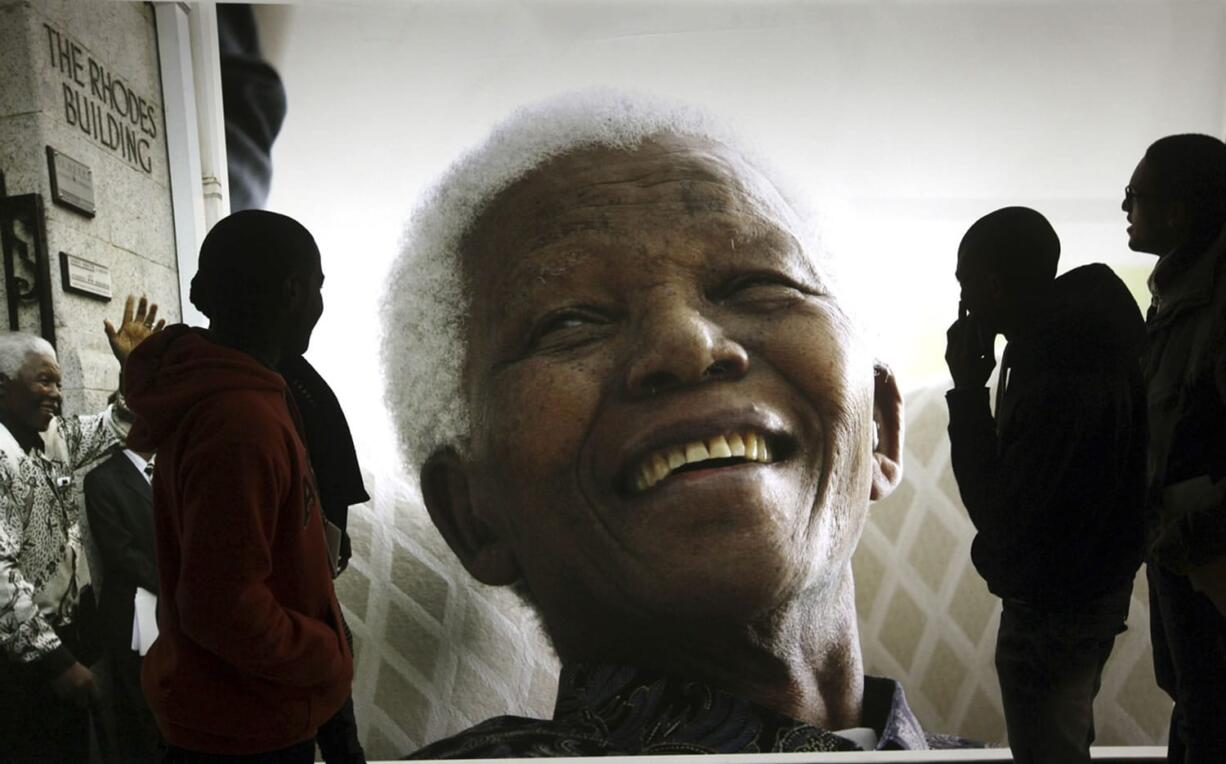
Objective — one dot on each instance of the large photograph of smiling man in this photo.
(621, 366)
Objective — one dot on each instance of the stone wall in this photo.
(83, 78)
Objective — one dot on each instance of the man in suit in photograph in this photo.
(119, 503)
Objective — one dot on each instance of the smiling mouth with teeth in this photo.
(717, 451)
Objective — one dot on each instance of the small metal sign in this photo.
(85, 277)
(72, 182)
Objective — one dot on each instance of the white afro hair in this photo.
(16, 347)
(425, 305)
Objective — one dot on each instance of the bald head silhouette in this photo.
(243, 261)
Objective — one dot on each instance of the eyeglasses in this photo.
(1131, 195)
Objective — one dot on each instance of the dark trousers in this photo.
(35, 724)
(1189, 639)
(1050, 666)
(299, 753)
(338, 737)
(132, 735)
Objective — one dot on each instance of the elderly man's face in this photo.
(33, 397)
(671, 414)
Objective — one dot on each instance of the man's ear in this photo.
(293, 287)
(445, 488)
(996, 289)
(888, 418)
(1177, 216)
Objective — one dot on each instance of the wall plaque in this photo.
(72, 182)
(85, 277)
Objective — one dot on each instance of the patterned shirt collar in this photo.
(620, 710)
(629, 700)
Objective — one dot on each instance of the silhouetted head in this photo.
(1006, 259)
(259, 278)
(1177, 194)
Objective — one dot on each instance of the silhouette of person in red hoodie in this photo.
(251, 656)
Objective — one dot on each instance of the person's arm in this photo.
(1015, 491)
(25, 636)
(229, 516)
(86, 439)
(1209, 576)
(110, 525)
(80, 441)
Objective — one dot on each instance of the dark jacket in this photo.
(329, 443)
(1186, 376)
(119, 503)
(1055, 484)
(250, 655)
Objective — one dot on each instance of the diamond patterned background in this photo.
(928, 620)
(437, 652)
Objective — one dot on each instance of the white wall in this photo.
(919, 116)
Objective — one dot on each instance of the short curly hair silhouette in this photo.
(1016, 243)
(244, 259)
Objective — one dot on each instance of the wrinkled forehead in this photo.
(37, 360)
(665, 181)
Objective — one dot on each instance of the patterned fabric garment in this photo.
(41, 560)
(618, 710)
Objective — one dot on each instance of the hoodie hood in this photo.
(1092, 318)
(179, 368)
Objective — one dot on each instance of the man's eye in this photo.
(762, 287)
(567, 327)
(564, 321)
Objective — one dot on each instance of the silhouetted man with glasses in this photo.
(1176, 206)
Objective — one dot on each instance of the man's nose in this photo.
(677, 346)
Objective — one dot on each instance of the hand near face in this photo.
(135, 326)
(968, 352)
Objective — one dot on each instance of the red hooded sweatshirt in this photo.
(250, 655)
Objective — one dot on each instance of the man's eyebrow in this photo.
(776, 241)
(765, 234)
(550, 262)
